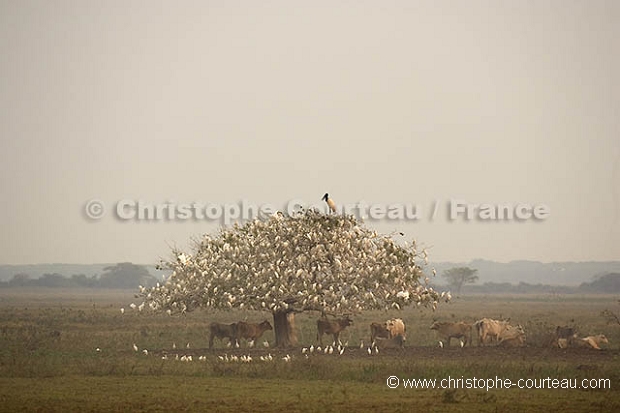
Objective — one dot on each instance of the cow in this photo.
(378, 330)
(389, 329)
(251, 332)
(447, 331)
(564, 336)
(394, 342)
(512, 337)
(222, 331)
(396, 327)
(591, 341)
(489, 330)
(325, 326)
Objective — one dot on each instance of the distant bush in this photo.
(608, 283)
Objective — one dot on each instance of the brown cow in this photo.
(512, 337)
(222, 331)
(447, 331)
(251, 332)
(391, 328)
(378, 330)
(564, 336)
(325, 326)
(394, 342)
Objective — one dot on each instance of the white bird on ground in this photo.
(135, 348)
(441, 344)
(266, 344)
(369, 351)
(122, 311)
(145, 352)
(312, 348)
(462, 343)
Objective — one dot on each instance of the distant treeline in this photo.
(123, 276)
(128, 276)
(608, 283)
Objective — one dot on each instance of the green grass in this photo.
(49, 362)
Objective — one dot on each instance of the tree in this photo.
(20, 280)
(125, 275)
(611, 316)
(608, 283)
(460, 275)
(289, 264)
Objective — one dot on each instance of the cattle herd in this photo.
(391, 333)
(236, 331)
(502, 333)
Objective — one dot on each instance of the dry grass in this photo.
(49, 361)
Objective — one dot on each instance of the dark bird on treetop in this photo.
(330, 202)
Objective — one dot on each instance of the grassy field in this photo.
(73, 351)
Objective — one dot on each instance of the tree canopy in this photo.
(310, 261)
(458, 276)
(125, 274)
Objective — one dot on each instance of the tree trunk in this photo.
(284, 329)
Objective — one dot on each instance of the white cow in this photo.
(489, 330)
(592, 341)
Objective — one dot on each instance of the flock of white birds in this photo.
(336, 349)
(311, 261)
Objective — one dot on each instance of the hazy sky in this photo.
(387, 102)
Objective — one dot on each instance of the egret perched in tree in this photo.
(330, 202)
